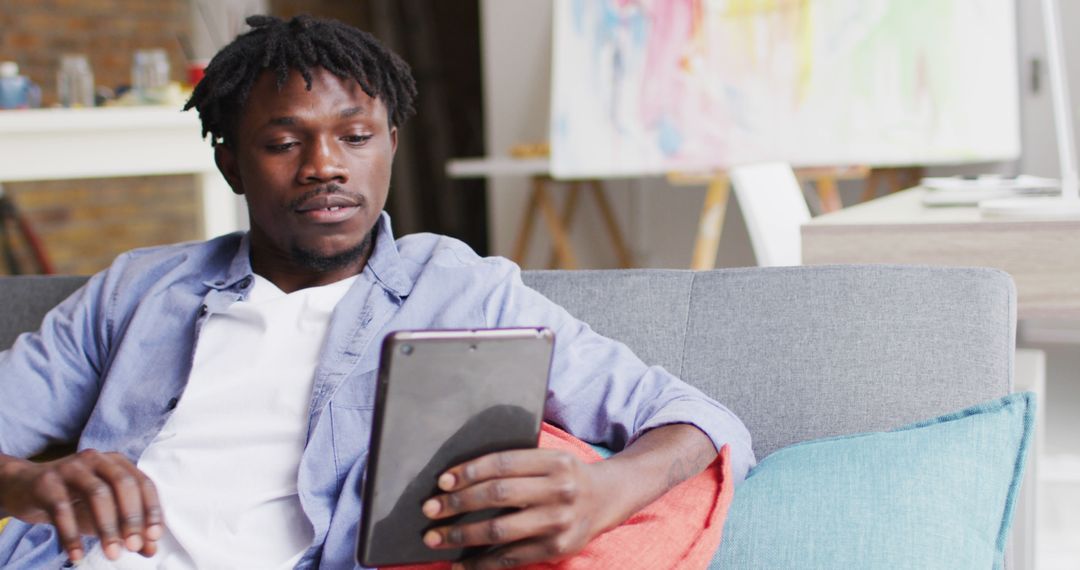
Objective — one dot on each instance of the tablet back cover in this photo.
(443, 398)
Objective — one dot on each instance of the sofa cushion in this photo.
(936, 494)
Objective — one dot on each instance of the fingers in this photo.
(51, 492)
(519, 463)
(125, 487)
(518, 492)
(503, 529)
(122, 502)
(97, 495)
(547, 485)
(89, 493)
(149, 506)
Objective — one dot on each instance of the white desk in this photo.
(59, 144)
(1043, 257)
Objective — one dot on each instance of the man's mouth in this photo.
(326, 208)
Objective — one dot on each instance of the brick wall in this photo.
(84, 224)
(35, 33)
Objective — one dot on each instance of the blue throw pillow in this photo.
(936, 494)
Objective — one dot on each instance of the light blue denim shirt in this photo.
(110, 363)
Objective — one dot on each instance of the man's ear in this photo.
(393, 141)
(225, 159)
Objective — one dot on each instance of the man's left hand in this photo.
(564, 503)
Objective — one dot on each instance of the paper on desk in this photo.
(990, 182)
(959, 191)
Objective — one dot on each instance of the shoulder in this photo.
(196, 254)
(196, 261)
(424, 252)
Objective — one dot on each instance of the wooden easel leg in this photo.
(872, 182)
(521, 242)
(711, 224)
(892, 180)
(612, 225)
(908, 178)
(895, 180)
(828, 194)
(569, 209)
(554, 224)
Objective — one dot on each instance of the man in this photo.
(220, 393)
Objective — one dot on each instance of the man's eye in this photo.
(356, 139)
(282, 147)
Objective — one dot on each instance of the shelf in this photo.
(62, 144)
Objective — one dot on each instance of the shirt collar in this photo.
(385, 263)
(239, 269)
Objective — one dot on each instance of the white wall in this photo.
(215, 23)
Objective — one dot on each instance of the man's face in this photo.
(314, 167)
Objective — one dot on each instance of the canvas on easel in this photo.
(646, 87)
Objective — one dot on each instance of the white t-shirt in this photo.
(225, 464)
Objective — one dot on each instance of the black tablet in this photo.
(443, 398)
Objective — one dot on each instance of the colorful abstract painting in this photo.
(655, 86)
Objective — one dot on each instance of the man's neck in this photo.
(290, 282)
(289, 274)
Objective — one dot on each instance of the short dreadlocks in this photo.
(302, 43)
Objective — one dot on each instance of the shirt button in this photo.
(245, 282)
(203, 310)
(172, 404)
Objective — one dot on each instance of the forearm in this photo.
(654, 464)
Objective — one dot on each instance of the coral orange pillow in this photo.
(679, 530)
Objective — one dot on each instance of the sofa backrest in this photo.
(24, 301)
(796, 352)
(805, 352)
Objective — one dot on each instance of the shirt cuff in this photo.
(719, 424)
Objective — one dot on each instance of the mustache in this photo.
(331, 188)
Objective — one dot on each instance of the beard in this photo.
(323, 263)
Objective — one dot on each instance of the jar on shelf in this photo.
(75, 81)
(150, 75)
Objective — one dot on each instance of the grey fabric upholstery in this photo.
(797, 353)
(25, 300)
(806, 352)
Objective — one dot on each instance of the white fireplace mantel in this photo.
(59, 144)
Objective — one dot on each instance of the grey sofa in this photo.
(798, 353)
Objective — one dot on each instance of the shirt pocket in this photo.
(351, 426)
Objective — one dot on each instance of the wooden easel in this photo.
(711, 219)
(541, 204)
(825, 180)
(558, 224)
(894, 178)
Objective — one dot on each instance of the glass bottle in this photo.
(150, 75)
(75, 82)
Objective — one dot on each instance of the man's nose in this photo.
(322, 163)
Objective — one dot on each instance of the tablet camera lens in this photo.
(406, 349)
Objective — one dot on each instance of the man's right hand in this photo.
(88, 493)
